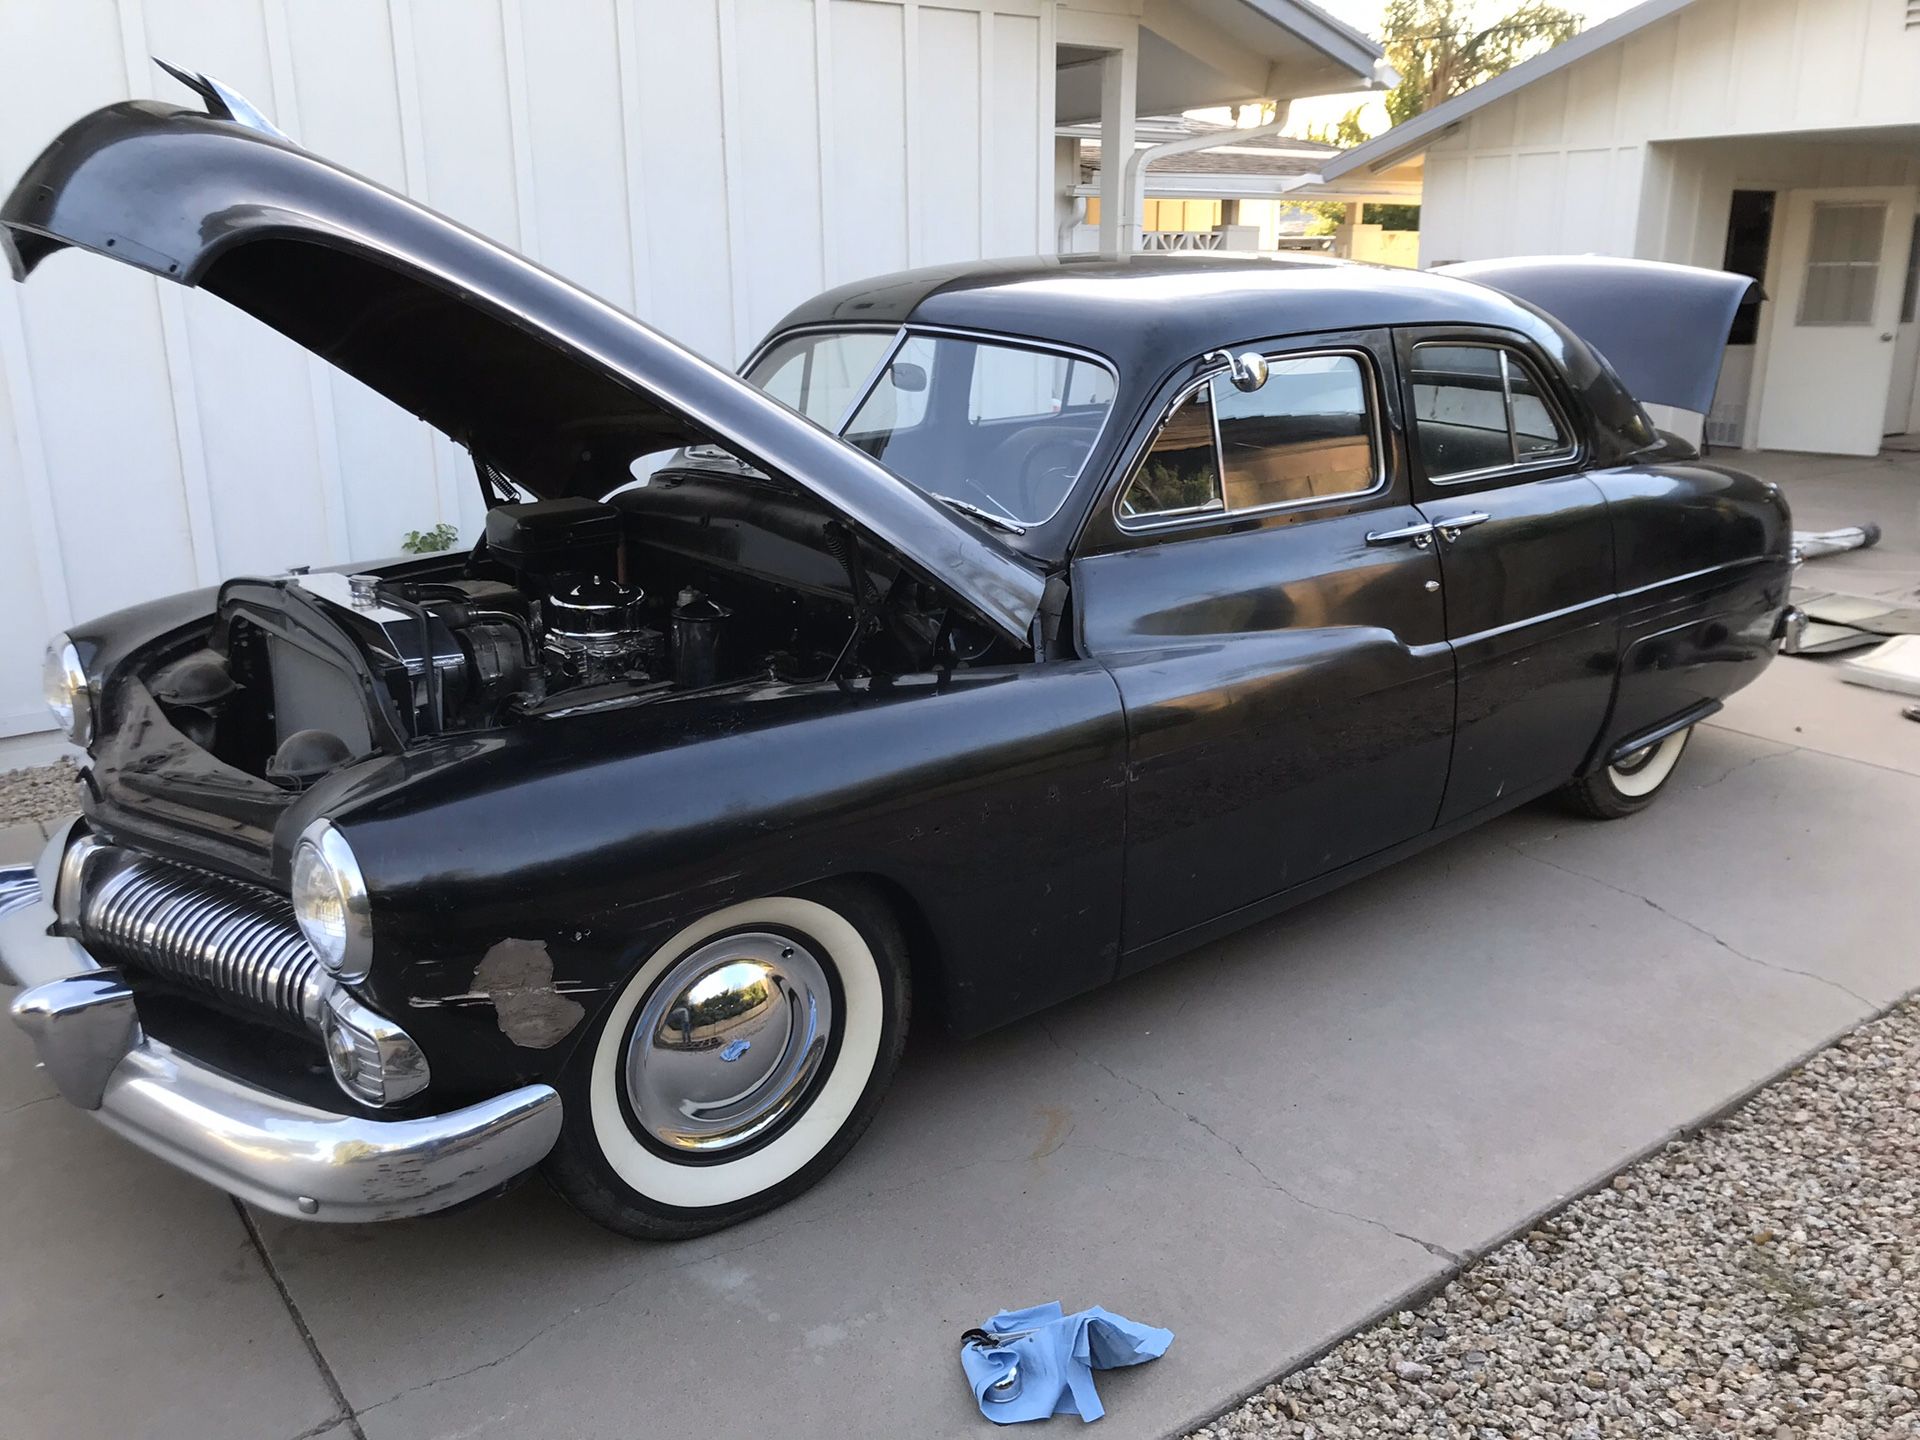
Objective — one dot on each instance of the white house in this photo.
(1776, 137)
(705, 163)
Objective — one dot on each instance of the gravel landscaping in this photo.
(41, 793)
(1759, 1278)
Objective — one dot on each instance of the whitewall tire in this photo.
(1631, 783)
(736, 1065)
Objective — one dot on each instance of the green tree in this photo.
(1441, 50)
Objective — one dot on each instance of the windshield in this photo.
(998, 429)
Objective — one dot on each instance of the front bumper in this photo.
(275, 1153)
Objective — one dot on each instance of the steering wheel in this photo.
(1038, 464)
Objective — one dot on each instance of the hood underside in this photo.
(532, 374)
(1662, 327)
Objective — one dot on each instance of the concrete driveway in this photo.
(1259, 1145)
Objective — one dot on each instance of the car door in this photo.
(1280, 654)
(1525, 549)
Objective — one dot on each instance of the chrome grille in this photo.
(235, 940)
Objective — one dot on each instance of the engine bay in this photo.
(690, 583)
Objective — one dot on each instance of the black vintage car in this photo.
(1006, 628)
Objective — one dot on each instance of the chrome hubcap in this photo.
(1628, 764)
(728, 1042)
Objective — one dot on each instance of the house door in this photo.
(1830, 357)
(1903, 395)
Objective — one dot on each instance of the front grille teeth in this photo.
(222, 936)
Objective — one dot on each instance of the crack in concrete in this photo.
(707, 1258)
(1697, 929)
(544, 1330)
(1259, 1171)
(1748, 764)
(346, 1415)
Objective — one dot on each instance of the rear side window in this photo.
(1307, 434)
(1481, 408)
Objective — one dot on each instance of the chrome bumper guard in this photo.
(275, 1153)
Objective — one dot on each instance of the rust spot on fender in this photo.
(517, 975)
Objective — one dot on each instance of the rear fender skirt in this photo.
(1687, 718)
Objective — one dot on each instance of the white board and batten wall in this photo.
(1585, 160)
(706, 164)
(1636, 148)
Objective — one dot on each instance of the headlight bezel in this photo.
(322, 853)
(68, 692)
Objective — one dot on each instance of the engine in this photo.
(547, 616)
(542, 610)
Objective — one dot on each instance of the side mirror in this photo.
(909, 377)
(1247, 370)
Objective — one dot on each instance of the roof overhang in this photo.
(1174, 185)
(1197, 53)
(1397, 184)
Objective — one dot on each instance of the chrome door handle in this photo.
(1451, 527)
(1419, 536)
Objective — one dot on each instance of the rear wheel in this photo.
(1629, 784)
(737, 1066)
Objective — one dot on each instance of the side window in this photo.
(1304, 435)
(1307, 434)
(1180, 474)
(1480, 408)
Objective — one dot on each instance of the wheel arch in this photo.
(927, 972)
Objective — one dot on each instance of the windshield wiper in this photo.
(967, 507)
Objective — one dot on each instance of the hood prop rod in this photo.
(436, 704)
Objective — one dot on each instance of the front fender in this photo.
(518, 879)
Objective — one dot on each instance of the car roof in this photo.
(1157, 309)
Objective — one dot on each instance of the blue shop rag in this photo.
(1054, 1355)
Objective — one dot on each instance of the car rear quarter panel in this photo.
(520, 878)
(1702, 562)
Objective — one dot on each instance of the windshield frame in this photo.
(901, 334)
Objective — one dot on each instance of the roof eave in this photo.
(1424, 130)
(1338, 42)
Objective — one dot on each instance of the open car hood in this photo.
(531, 373)
(1662, 327)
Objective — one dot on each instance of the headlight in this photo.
(330, 902)
(67, 693)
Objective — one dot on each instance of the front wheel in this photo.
(736, 1067)
(1631, 783)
